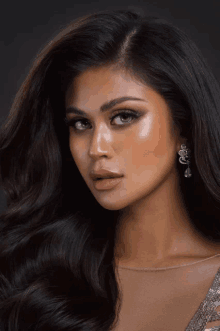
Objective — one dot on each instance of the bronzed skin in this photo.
(155, 229)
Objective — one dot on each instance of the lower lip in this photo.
(107, 184)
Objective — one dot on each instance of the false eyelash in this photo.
(130, 113)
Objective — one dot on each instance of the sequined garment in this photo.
(207, 311)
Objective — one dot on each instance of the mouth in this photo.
(101, 178)
(110, 177)
(107, 183)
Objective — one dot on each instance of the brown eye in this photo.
(72, 123)
(126, 117)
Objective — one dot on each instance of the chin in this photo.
(111, 206)
(114, 204)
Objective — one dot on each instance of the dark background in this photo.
(26, 26)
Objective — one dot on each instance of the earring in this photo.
(185, 155)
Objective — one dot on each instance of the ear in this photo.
(179, 140)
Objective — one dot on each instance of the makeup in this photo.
(107, 184)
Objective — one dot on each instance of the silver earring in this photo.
(185, 154)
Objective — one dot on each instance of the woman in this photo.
(115, 94)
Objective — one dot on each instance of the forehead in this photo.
(104, 83)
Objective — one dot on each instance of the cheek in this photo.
(78, 151)
(139, 147)
(149, 151)
(152, 138)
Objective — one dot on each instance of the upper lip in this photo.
(104, 173)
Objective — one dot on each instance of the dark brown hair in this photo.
(56, 252)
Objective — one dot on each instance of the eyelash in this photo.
(134, 114)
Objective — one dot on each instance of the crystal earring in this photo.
(185, 154)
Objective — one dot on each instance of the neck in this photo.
(158, 228)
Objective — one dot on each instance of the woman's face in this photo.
(140, 145)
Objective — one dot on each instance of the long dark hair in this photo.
(57, 262)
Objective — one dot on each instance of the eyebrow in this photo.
(106, 106)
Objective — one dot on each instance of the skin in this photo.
(154, 227)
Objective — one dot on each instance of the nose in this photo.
(100, 143)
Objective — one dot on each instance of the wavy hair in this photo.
(57, 243)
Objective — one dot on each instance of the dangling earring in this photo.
(185, 154)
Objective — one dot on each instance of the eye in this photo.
(125, 115)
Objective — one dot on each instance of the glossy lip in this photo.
(107, 184)
(104, 173)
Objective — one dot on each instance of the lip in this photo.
(104, 173)
(107, 183)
